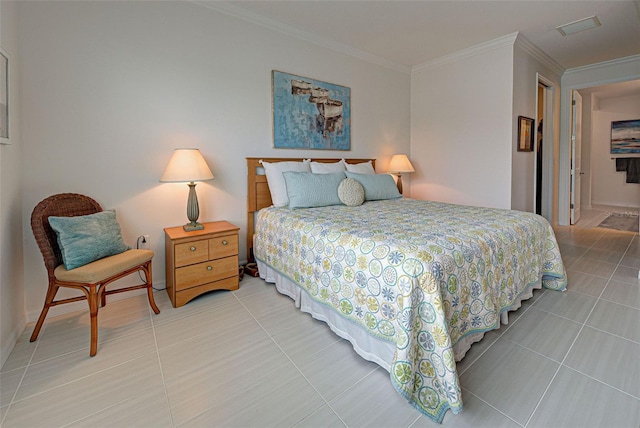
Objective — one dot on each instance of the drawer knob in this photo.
(224, 242)
(192, 248)
(209, 268)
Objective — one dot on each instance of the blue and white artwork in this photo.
(625, 136)
(310, 114)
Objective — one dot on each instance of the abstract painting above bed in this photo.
(428, 277)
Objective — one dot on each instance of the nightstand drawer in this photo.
(184, 296)
(191, 252)
(223, 246)
(202, 273)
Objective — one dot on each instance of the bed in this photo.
(411, 284)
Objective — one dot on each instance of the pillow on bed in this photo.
(277, 186)
(308, 190)
(87, 238)
(376, 186)
(326, 168)
(351, 192)
(360, 168)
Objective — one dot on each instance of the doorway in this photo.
(539, 147)
(610, 75)
(543, 149)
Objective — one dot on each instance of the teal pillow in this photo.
(87, 238)
(376, 186)
(308, 190)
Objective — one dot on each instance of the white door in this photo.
(576, 153)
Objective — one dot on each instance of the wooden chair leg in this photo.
(51, 294)
(93, 313)
(147, 274)
(152, 302)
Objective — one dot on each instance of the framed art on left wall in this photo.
(525, 134)
(4, 97)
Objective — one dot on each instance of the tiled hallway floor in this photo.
(249, 358)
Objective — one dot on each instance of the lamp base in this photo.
(189, 227)
(193, 211)
(399, 184)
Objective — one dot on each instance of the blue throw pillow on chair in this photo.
(87, 238)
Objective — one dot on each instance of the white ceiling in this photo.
(410, 33)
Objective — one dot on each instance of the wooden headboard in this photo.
(258, 195)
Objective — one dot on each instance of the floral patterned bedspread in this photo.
(419, 274)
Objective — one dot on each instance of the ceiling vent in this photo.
(578, 26)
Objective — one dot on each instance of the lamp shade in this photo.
(186, 165)
(400, 163)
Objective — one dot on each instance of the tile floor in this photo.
(249, 358)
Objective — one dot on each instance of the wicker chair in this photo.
(93, 278)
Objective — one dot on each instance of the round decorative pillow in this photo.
(351, 192)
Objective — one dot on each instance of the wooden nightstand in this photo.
(201, 260)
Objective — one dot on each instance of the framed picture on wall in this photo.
(310, 114)
(525, 134)
(625, 136)
(4, 96)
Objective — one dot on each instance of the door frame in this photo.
(575, 186)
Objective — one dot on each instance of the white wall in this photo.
(608, 186)
(526, 69)
(111, 88)
(12, 298)
(461, 129)
(525, 88)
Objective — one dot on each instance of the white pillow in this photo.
(361, 168)
(277, 185)
(327, 168)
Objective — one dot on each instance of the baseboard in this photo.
(82, 305)
(7, 347)
(615, 204)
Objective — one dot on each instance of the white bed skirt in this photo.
(368, 347)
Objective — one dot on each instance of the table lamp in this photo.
(398, 165)
(188, 166)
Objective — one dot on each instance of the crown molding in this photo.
(490, 45)
(245, 15)
(610, 63)
(539, 54)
